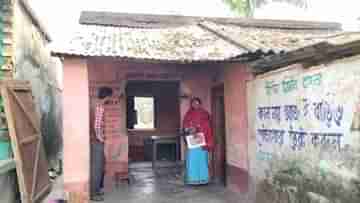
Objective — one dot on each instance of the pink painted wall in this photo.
(76, 126)
(197, 82)
(235, 77)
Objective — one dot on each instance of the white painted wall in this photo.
(327, 101)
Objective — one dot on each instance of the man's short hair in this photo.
(104, 92)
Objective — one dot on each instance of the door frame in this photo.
(216, 92)
(157, 107)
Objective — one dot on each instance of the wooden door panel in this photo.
(21, 124)
(218, 110)
(24, 100)
(26, 139)
(43, 180)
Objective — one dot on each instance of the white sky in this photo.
(342, 11)
(61, 17)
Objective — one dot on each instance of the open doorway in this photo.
(219, 154)
(152, 111)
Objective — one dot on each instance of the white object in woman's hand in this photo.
(198, 135)
(100, 137)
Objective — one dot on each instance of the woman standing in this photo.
(197, 121)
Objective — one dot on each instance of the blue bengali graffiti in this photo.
(268, 113)
(292, 113)
(298, 139)
(327, 139)
(276, 113)
(307, 105)
(263, 113)
(328, 114)
(272, 136)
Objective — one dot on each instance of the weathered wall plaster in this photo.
(23, 55)
(304, 133)
(32, 62)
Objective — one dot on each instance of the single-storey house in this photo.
(168, 59)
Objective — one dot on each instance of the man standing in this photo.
(97, 142)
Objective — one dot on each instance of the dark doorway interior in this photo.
(219, 156)
(152, 110)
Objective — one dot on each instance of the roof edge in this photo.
(143, 60)
(141, 20)
(313, 54)
(35, 19)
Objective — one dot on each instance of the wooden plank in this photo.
(42, 193)
(35, 172)
(26, 112)
(14, 83)
(20, 88)
(34, 181)
(14, 143)
(7, 165)
(158, 21)
(29, 140)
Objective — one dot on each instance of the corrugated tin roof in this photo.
(268, 39)
(341, 38)
(329, 48)
(186, 43)
(189, 39)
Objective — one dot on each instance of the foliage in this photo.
(241, 7)
(246, 7)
